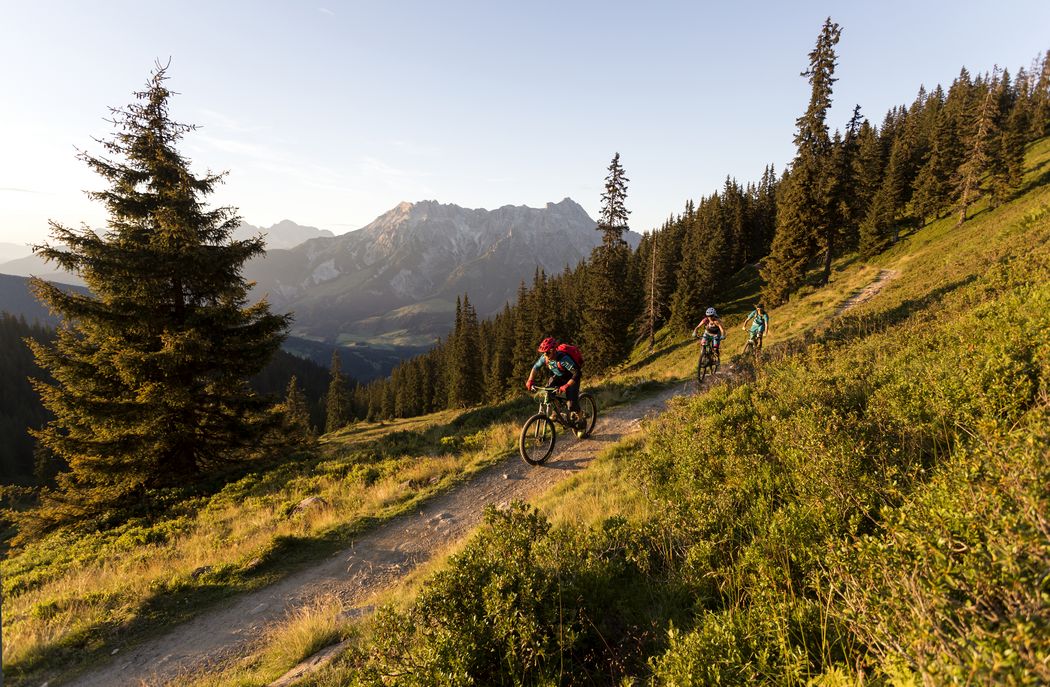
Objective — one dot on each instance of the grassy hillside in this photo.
(780, 528)
(869, 508)
(71, 597)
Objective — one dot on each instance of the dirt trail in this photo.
(868, 292)
(373, 562)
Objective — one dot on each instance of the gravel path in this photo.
(373, 562)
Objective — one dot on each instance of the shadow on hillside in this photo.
(1042, 178)
(482, 416)
(657, 353)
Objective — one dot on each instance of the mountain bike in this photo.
(708, 362)
(753, 346)
(536, 443)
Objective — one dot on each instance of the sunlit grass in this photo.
(609, 487)
(103, 580)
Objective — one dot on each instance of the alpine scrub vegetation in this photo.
(868, 508)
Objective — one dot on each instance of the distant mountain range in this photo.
(16, 259)
(284, 234)
(389, 290)
(395, 281)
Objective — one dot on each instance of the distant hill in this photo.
(16, 299)
(362, 362)
(33, 266)
(13, 251)
(284, 234)
(395, 281)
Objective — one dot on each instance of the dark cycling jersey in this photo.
(711, 325)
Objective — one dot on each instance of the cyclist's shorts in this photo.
(713, 338)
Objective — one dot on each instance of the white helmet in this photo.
(711, 312)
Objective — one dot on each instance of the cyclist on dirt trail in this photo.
(759, 319)
(565, 374)
(714, 332)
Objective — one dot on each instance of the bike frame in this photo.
(552, 405)
(708, 346)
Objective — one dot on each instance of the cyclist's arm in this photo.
(532, 373)
(572, 368)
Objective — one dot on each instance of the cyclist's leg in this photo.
(573, 395)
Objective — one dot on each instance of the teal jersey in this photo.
(563, 364)
(760, 323)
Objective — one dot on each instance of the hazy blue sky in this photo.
(330, 113)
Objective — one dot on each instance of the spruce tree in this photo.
(702, 268)
(850, 209)
(499, 380)
(650, 317)
(981, 131)
(464, 366)
(805, 209)
(337, 402)
(151, 370)
(295, 416)
(609, 314)
(1039, 124)
(933, 183)
(1006, 164)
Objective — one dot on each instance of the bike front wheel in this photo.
(536, 443)
(589, 412)
(702, 366)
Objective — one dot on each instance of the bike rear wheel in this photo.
(589, 412)
(536, 443)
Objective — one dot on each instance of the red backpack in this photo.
(573, 352)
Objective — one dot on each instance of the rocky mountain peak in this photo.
(399, 276)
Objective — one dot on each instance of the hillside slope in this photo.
(849, 443)
(869, 507)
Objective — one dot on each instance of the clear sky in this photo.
(329, 113)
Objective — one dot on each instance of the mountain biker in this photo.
(759, 319)
(565, 374)
(714, 332)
